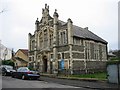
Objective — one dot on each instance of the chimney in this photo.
(86, 28)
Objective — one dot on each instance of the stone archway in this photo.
(45, 65)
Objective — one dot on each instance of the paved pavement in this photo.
(91, 84)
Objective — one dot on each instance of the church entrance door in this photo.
(44, 64)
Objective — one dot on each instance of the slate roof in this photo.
(84, 33)
(25, 51)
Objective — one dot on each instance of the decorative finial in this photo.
(55, 13)
(86, 28)
(37, 21)
(48, 6)
(69, 20)
(45, 5)
(55, 10)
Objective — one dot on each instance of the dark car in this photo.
(25, 73)
(7, 70)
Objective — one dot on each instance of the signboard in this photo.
(62, 64)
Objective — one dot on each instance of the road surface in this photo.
(9, 82)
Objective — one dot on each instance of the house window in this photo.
(32, 58)
(29, 58)
(51, 56)
(81, 42)
(62, 55)
(87, 44)
(38, 57)
(76, 41)
(33, 44)
(41, 41)
(51, 39)
(59, 57)
(92, 50)
(63, 38)
(45, 39)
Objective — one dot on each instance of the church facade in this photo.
(57, 46)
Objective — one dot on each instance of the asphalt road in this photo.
(8, 82)
(51, 83)
(99, 85)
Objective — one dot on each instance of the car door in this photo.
(24, 71)
(19, 74)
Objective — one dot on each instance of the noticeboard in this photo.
(62, 64)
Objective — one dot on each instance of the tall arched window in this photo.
(62, 38)
(51, 39)
(45, 39)
(41, 41)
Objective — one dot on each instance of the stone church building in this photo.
(57, 46)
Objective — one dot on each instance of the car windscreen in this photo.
(9, 67)
(24, 69)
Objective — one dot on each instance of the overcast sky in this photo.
(18, 19)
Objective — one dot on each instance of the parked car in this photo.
(25, 73)
(7, 70)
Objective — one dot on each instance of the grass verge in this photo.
(98, 76)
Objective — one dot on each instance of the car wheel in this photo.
(13, 76)
(38, 79)
(23, 77)
(5, 74)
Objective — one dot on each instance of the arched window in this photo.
(62, 38)
(45, 38)
(51, 39)
(41, 41)
(33, 44)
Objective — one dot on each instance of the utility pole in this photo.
(0, 50)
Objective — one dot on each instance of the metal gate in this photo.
(113, 73)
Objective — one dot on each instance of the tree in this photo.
(117, 53)
(8, 62)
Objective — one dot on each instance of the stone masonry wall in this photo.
(95, 66)
(78, 48)
(91, 67)
(63, 48)
(78, 55)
